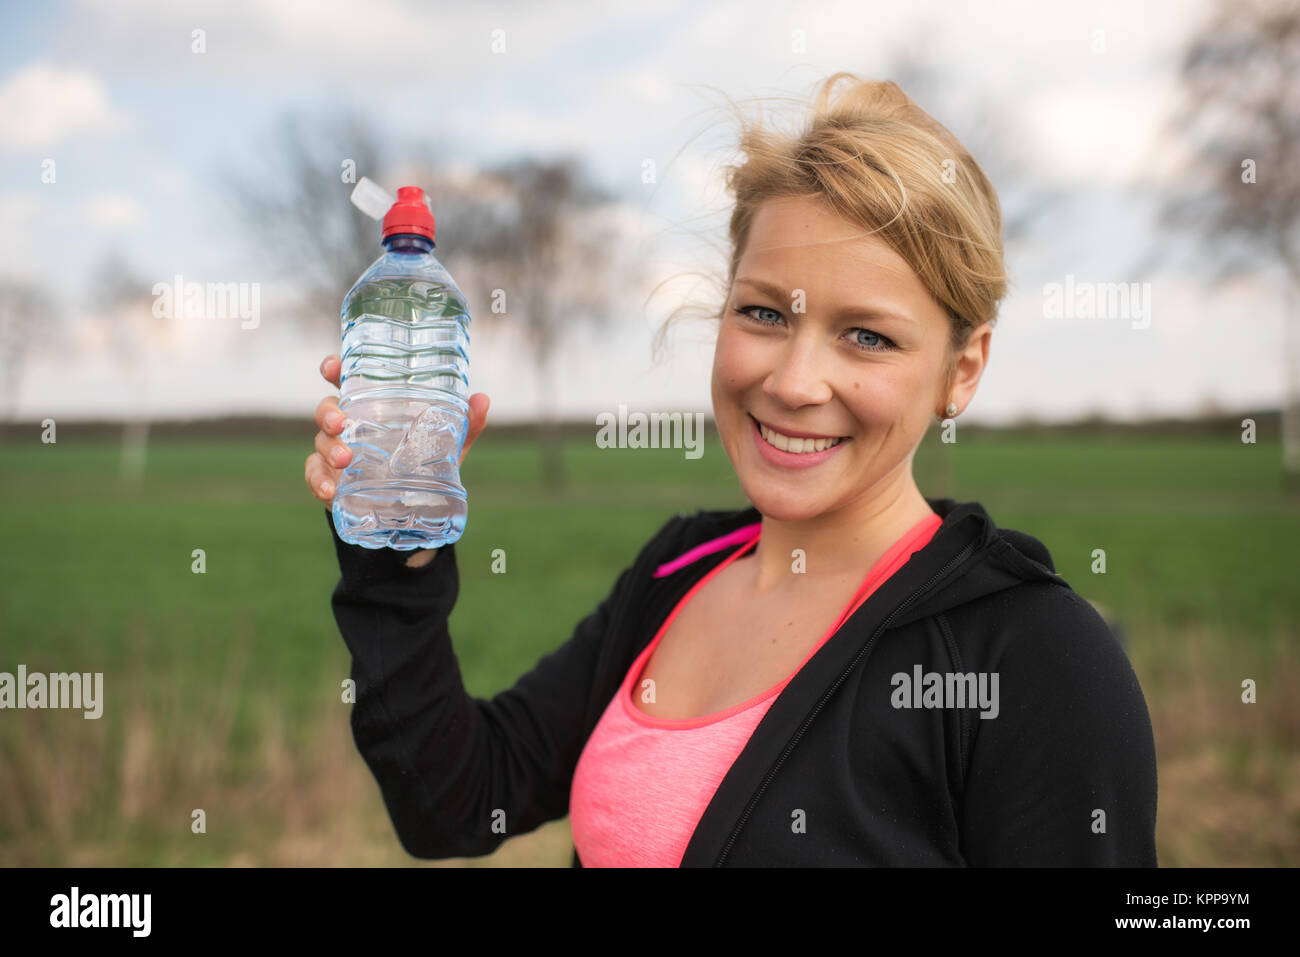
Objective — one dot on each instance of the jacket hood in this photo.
(987, 559)
(968, 558)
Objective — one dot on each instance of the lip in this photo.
(795, 433)
(790, 460)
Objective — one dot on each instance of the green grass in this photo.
(97, 577)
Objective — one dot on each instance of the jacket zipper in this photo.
(960, 557)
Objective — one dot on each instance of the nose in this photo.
(799, 377)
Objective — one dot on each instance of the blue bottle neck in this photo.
(408, 243)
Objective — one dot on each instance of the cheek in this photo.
(732, 362)
(886, 396)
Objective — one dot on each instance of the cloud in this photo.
(373, 51)
(1103, 133)
(44, 105)
(114, 211)
(20, 216)
(170, 180)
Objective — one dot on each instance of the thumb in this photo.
(478, 408)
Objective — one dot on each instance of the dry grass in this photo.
(121, 792)
(68, 799)
(1229, 771)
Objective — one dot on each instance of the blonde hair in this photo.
(882, 162)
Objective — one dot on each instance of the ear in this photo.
(966, 368)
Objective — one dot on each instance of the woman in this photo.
(845, 673)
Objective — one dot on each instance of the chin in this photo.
(782, 506)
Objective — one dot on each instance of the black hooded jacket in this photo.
(839, 772)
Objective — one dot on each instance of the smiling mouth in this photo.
(790, 443)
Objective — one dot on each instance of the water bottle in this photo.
(403, 387)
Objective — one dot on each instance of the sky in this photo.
(140, 129)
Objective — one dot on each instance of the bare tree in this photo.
(1239, 200)
(123, 300)
(21, 306)
(522, 228)
(553, 259)
(295, 211)
(536, 237)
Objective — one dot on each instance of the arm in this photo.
(421, 557)
(449, 764)
(1073, 736)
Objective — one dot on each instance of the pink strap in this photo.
(743, 534)
(891, 561)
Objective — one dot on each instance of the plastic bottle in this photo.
(403, 387)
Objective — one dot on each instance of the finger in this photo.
(478, 406)
(478, 413)
(328, 416)
(334, 453)
(321, 479)
(330, 369)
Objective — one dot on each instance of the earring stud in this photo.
(951, 410)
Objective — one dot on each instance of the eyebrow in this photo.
(858, 312)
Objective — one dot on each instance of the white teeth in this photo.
(797, 445)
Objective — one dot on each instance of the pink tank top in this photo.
(642, 783)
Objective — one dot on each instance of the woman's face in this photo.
(800, 362)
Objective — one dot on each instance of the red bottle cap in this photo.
(409, 214)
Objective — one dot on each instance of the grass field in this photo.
(222, 689)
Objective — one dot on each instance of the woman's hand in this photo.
(326, 464)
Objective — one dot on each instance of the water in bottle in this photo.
(403, 389)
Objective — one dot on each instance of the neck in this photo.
(845, 542)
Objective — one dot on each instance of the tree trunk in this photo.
(135, 447)
(549, 441)
(1291, 387)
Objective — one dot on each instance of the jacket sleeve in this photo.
(1065, 774)
(458, 774)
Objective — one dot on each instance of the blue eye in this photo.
(749, 309)
(884, 345)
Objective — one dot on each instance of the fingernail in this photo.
(337, 455)
(332, 420)
(326, 488)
